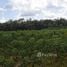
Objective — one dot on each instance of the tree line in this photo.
(21, 24)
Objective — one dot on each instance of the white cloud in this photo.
(2, 18)
(28, 4)
(39, 8)
(2, 9)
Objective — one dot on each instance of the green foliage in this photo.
(13, 25)
(23, 46)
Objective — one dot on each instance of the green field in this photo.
(21, 48)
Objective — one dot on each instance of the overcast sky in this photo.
(35, 9)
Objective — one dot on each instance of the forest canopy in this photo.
(30, 24)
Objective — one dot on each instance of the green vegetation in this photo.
(21, 24)
(21, 48)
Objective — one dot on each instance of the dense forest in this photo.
(30, 24)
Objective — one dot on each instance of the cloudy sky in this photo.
(35, 9)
